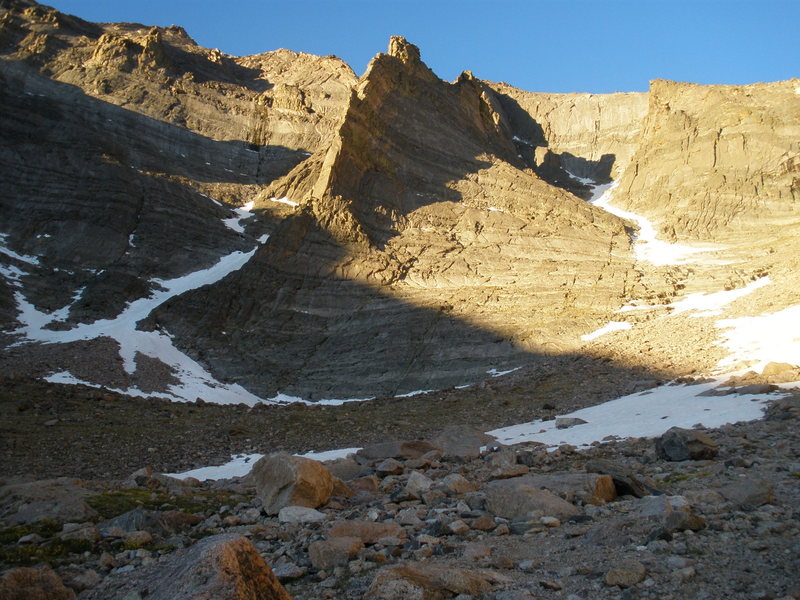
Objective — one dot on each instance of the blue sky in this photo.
(538, 45)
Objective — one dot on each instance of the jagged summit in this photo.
(401, 48)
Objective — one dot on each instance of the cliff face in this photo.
(718, 162)
(277, 98)
(589, 135)
(117, 136)
(417, 257)
(406, 233)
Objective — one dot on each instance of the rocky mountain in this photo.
(408, 233)
(205, 256)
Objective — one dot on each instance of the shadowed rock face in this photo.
(589, 135)
(424, 232)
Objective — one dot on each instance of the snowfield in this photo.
(647, 246)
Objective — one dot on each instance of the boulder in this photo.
(41, 583)
(368, 532)
(222, 567)
(140, 519)
(408, 449)
(673, 513)
(625, 481)
(626, 574)
(80, 531)
(79, 579)
(753, 492)
(418, 483)
(389, 466)
(286, 480)
(341, 489)
(462, 441)
(521, 496)
(589, 488)
(456, 484)
(61, 500)
(300, 514)
(424, 580)
(346, 469)
(364, 484)
(337, 551)
(510, 471)
(678, 444)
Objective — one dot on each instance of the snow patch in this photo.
(195, 381)
(339, 402)
(31, 260)
(647, 246)
(608, 328)
(583, 180)
(285, 200)
(67, 378)
(712, 304)
(329, 454)
(644, 414)
(414, 393)
(242, 213)
(495, 373)
(13, 274)
(241, 464)
(763, 339)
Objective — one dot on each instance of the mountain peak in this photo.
(401, 48)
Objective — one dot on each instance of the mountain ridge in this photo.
(459, 204)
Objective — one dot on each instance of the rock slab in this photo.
(679, 444)
(220, 567)
(521, 496)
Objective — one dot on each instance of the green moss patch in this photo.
(117, 502)
(51, 552)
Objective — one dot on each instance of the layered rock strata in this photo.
(716, 163)
(408, 233)
(421, 227)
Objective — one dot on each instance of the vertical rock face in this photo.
(716, 162)
(589, 135)
(115, 136)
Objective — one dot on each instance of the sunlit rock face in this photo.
(424, 255)
(406, 233)
(718, 163)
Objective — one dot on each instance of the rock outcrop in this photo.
(718, 163)
(591, 136)
(225, 566)
(422, 217)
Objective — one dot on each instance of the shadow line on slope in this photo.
(291, 323)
